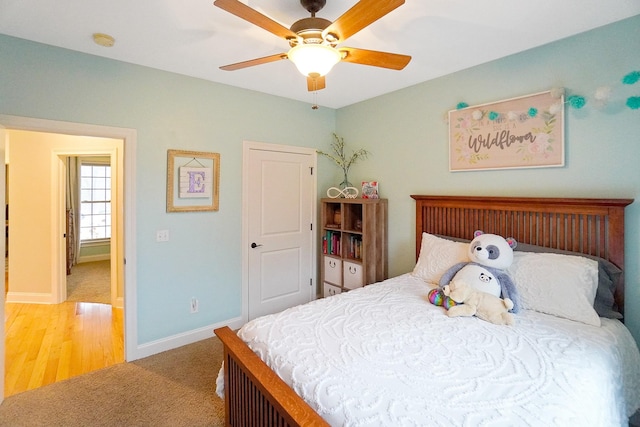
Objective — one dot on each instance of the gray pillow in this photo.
(608, 277)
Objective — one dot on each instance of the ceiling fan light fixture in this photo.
(314, 59)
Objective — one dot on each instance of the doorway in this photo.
(124, 155)
(279, 212)
(89, 208)
(38, 226)
(39, 262)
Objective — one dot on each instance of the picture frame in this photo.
(370, 190)
(523, 132)
(193, 181)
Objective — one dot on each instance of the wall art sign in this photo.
(193, 181)
(525, 132)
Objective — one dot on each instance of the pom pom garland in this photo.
(601, 96)
(633, 102)
(576, 101)
(602, 93)
(631, 78)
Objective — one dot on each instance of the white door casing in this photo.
(58, 179)
(2, 248)
(279, 206)
(127, 245)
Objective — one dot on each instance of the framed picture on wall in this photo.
(525, 132)
(193, 181)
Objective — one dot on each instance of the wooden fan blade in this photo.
(243, 11)
(362, 14)
(252, 62)
(315, 83)
(374, 58)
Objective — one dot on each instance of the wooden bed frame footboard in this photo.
(255, 396)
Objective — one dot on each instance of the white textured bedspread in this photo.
(383, 355)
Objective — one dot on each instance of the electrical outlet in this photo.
(194, 305)
(162, 236)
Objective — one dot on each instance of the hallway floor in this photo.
(48, 343)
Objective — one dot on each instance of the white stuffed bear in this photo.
(490, 256)
(480, 304)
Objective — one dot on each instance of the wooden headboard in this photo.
(588, 226)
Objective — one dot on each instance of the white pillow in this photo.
(560, 285)
(437, 255)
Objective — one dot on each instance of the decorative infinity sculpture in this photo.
(347, 192)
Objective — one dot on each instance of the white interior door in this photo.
(280, 214)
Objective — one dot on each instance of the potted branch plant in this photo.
(340, 158)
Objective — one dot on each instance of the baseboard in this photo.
(93, 258)
(179, 340)
(29, 298)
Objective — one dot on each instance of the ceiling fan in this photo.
(313, 40)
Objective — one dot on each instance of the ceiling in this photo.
(194, 38)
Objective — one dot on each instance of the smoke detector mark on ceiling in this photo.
(104, 40)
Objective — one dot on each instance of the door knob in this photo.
(254, 245)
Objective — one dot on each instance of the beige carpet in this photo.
(174, 388)
(90, 282)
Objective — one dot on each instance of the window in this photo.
(95, 201)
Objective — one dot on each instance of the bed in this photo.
(382, 355)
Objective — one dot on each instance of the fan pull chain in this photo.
(315, 95)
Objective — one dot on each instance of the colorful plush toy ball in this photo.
(436, 297)
(449, 302)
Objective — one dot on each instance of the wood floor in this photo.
(48, 343)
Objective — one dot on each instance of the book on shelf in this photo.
(355, 247)
(331, 243)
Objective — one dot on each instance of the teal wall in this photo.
(407, 133)
(203, 257)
